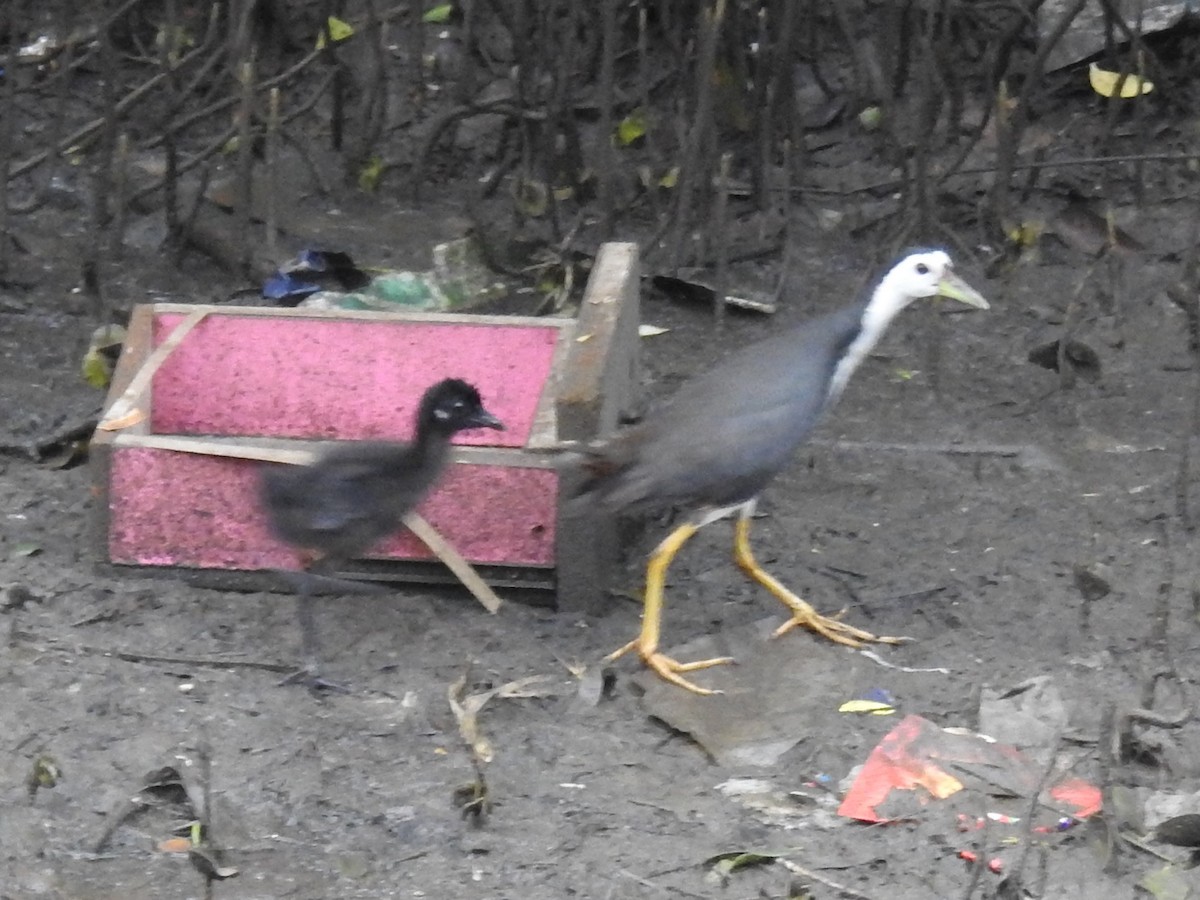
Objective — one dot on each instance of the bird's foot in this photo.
(315, 682)
(830, 627)
(669, 669)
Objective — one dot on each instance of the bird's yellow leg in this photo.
(802, 613)
(646, 643)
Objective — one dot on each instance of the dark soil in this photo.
(970, 553)
(957, 517)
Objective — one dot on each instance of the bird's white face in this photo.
(926, 274)
(920, 275)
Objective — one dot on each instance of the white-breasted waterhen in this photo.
(356, 493)
(715, 446)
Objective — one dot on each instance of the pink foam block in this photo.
(342, 378)
(183, 509)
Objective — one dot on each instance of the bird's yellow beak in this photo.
(956, 289)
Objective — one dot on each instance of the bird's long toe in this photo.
(670, 669)
(831, 627)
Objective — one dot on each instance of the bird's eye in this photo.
(922, 269)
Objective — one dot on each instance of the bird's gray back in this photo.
(727, 432)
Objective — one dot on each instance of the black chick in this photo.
(357, 493)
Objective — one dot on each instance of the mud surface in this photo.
(956, 516)
(970, 551)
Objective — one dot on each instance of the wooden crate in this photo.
(177, 483)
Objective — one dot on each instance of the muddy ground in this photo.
(957, 519)
(971, 553)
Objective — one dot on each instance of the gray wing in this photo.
(725, 434)
(348, 498)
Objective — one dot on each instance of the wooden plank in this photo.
(295, 452)
(137, 347)
(132, 406)
(364, 315)
(544, 432)
(599, 381)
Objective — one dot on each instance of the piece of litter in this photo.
(994, 865)
(651, 330)
(870, 707)
(875, 657)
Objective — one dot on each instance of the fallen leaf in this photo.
(1166, 883)
(368, 177)
(338, 31)
(651, 330)
(436, 15)
(1105, 83)
(632, 127)
(873, 707)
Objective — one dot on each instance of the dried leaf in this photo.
(872, 707)
(723, 865)
(1105, 83)
(102, 352)
(369, 175)
(437, 15)
(1166, 883)
(632, 127)
(531, 197)
(338, 31)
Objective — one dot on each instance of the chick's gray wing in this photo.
(344, 490)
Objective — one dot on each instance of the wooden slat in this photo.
(299, 452)
(131, 408)
(363, 315)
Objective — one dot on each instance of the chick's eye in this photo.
(922, 269)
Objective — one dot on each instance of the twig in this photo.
(1034, 804)
(711, 20)
(155, 659)
(843, 890)
(721, 215)
(980, 863)
(1108, 751)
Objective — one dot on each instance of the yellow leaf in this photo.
(671, 179)
(871, 118)
(338, 31)
(99, 361)
(1026, 234)
(531, 197)
(874, 707)
(632, 127)
(368, 177)
(438, 14)
(1104, 83)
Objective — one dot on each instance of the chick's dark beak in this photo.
(484, 419)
